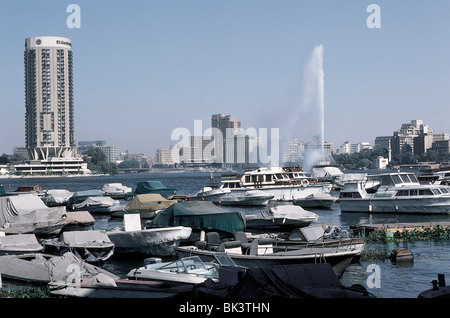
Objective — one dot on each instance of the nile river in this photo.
(390, 281)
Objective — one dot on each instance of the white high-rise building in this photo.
(49, 116)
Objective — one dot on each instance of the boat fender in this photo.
(305, 182)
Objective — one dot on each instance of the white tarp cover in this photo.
(97, 201)
(28, 209)
(73, 238)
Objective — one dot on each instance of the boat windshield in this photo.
(223, 259)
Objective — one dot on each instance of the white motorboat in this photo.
(316, 200)
(215, 195)
(273, 180)
(399, 192)
(252, 198)
(283, 217)
(186, 270)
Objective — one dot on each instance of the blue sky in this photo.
(145, 68)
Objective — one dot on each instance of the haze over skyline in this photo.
(145, 68)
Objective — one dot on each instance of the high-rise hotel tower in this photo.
(49, 116)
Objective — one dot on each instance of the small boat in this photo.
(316, 200)
(27, 214)
(80, 196)
(153, 241)
(39, 268)
(36, 189)
(147, 205)
(282, 217)
(215, 195)
(98, 205)
(92, 246)
(153, 186)
(19, 244)
(187, 270)
(261, 254)
(200, 215)
(115, 190)
(56, 197)
(250, 198)
(102, 286)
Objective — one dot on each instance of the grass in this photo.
(25, 292)
(417, 234)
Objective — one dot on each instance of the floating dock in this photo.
(398, 227)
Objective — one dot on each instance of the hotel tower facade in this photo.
(49, 115)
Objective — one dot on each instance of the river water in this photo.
(384, 279)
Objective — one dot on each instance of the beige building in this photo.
(49, 116)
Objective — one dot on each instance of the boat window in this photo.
(350, 195)
(279, 176)
(261, 178)
(385, 180)
(247, 178)
(425, 192)
(396, 179)
(444, 190)
(436, 191)
(254, 178)
(403, 193)
(413, 178)
(268, 177)
(405, 178)
(413, 192)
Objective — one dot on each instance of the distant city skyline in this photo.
(145, 68)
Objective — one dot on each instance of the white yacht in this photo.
(398, 192)
(274, 180)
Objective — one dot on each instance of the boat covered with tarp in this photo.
(152, 186)
(201, 215)
(80, 196)
(146, 205)
(27, 213)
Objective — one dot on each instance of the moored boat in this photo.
(273, 180)
(316, 200)
(249, 198)
(399, 192)
(282, 218)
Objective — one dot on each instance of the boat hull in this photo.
(288, 192)
(431, 205)
(338, 259)
(157, 241)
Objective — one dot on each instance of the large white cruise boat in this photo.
(274, 180)
(399, 192)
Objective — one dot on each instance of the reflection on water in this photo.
(395, 280)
